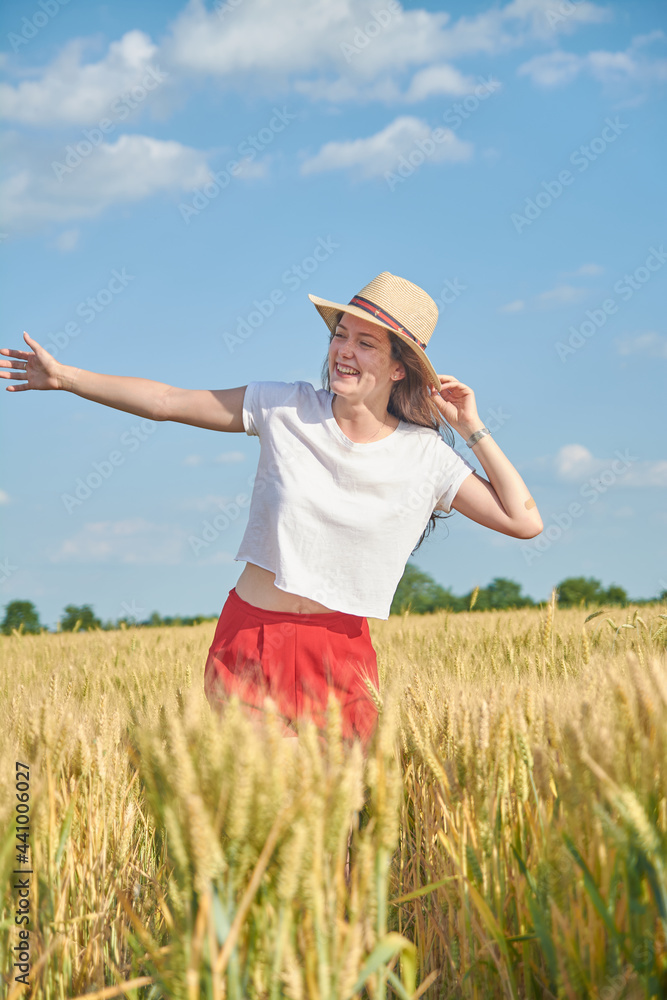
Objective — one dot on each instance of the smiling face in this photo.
(361, 365)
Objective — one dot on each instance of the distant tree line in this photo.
(417, 592)
(23, 617)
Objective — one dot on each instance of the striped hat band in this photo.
(383, 315)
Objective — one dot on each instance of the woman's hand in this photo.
(456, 402)
(39, 369)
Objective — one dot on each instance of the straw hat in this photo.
(395, 304)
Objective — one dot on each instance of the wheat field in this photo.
(505, 835)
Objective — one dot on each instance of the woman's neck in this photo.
(361, 423)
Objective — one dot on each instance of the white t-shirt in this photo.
(337, 520)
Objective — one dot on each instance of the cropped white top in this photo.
(334, 519)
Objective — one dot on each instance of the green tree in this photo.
(419, 593)
(580, 591)
(84, 616)
(500, 593)
(19, 613)
(616, 595)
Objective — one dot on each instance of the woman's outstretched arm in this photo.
(219, 410)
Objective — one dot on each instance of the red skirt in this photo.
(295, 659)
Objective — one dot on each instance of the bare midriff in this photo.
(256, 586)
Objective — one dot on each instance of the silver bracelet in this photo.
(477, 436)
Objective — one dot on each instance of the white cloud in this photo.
(647, 474)
(562, 295)
(4, 497)
(260, 38)
(68, 240)
(552, 69)
(348, 89)
(511, 307)
(574, 463)
(586, 270)
(209, 501)
(249, 169)
(134, 541)
(193, 460)
(558, 68)
(374, 155)
(257, 49)
(624, 512)
(652, 344)
(71, 92)
(548, 18)
(132, 168)
(255, 46)
(610, 65)
(439, 79)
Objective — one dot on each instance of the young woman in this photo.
(350, 479)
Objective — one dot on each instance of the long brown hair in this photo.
(409, 401)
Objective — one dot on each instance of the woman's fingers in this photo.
(15, 353)
(18, 362)
(31, 342)
(451, 384)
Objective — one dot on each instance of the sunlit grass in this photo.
(509, 820)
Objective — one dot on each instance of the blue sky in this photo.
(170, 168)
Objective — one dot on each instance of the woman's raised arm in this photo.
(503, 502)
(216, 410)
